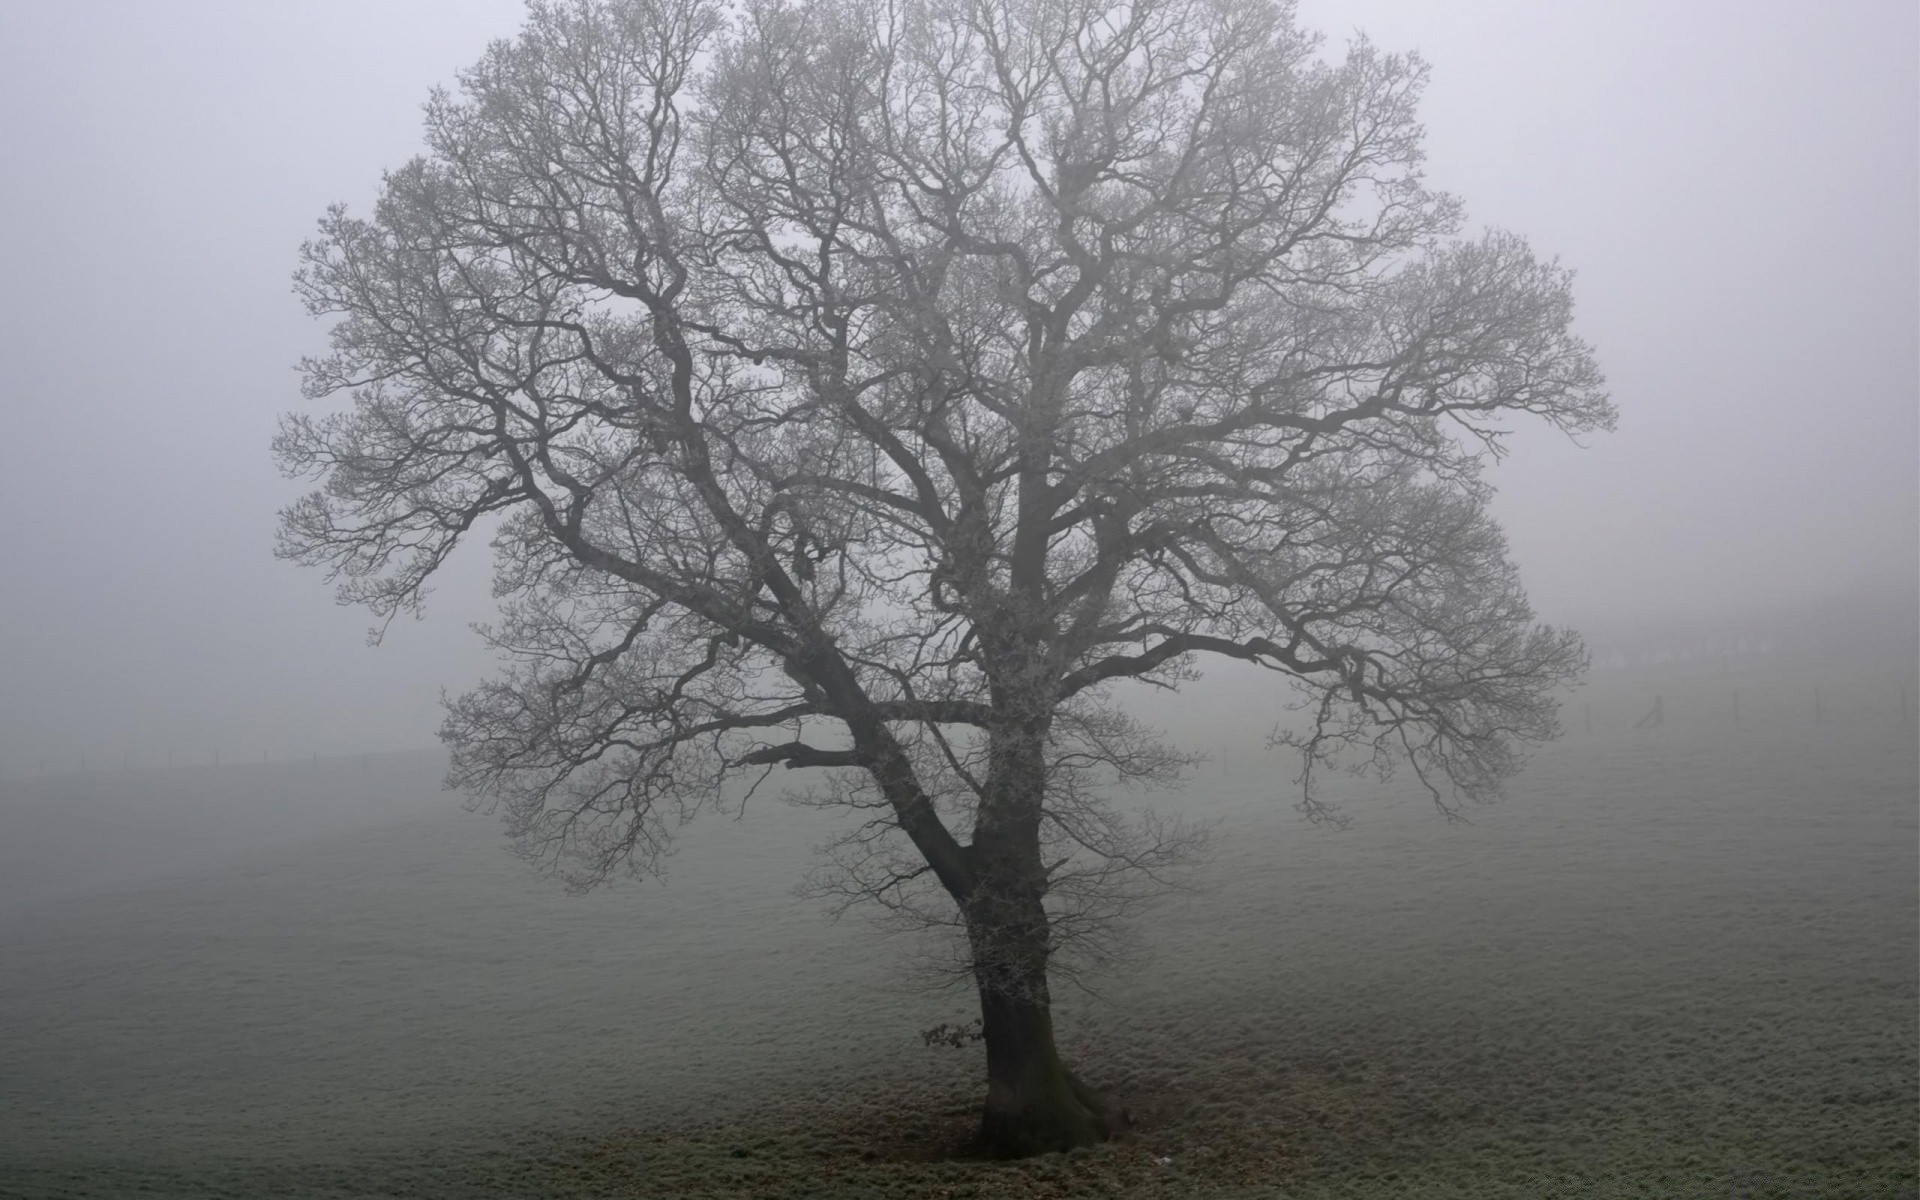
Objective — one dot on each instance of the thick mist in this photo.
(1734, 183)
(249, 945)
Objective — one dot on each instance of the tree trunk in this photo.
(1034, 1104)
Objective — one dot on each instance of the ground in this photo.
(1673, 963)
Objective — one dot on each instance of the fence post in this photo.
(1655, 718)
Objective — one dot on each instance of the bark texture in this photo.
(1034, 1104)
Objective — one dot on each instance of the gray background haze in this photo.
(1736, 184)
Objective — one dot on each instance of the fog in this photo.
(248, 946)
(1734, 182)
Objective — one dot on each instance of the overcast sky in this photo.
(1736, 183)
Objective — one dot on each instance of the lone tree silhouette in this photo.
(872, 386)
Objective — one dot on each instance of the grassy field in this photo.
(1681, 962)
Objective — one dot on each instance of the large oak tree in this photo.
(876, 386)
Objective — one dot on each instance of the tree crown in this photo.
(875, 384)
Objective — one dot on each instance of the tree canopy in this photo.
(878, 386)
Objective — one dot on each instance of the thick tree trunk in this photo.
(1034, 1104)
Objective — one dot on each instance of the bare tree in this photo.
(875, 385)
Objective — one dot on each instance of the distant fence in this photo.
(1813, 705)
(1636, 707)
